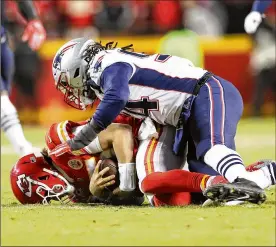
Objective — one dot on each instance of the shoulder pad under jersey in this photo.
(103, 60)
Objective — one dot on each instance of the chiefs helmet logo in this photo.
(24, 185)
(75, 164)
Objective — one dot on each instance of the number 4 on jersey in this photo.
(145, 104)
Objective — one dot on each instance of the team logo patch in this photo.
(75, 164)
(24, 185)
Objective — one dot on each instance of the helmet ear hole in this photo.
(46, 177)
(77, 72)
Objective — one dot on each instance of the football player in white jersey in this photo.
(204, 109)
(35, 35)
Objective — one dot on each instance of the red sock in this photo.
(255, 166)
(174, 181)
(175, 199)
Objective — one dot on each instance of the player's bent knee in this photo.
(123, 129)
(174, 199)
(151, 183)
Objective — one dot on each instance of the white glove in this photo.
(252, 21)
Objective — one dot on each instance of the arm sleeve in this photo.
(114, 82)
(27, 9)
(261, 5)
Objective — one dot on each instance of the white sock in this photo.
(225, 161)
(127, 176)
(230, 165)
(265, 176)
(259, 177)
(270, 172)
(10, 124)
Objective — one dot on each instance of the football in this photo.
(113, 170)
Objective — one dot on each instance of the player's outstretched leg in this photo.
(10, 124)
(214, 134)
(221, 192)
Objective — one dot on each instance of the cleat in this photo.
(240, 190)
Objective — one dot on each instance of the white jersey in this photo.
(159, 84)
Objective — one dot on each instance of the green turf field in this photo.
(80, 225)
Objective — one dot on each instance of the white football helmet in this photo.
(69, 70)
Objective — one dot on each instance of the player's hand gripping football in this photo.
(35, 34)
(99, 182)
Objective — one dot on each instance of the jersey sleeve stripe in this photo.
(62, 132)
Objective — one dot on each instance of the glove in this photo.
(35, 34)
(252, 22)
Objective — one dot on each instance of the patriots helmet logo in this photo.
(24, 185)
(57, 60)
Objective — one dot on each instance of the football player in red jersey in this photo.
(77, 169)
(83, 164)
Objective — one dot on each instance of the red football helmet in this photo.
(33, 180)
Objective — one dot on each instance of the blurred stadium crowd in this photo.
(69, 19)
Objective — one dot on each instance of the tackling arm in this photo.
(120, 138)
(114, 82)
